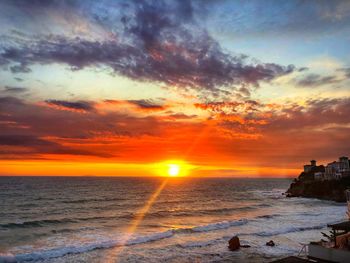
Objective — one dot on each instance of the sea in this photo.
(119, 219)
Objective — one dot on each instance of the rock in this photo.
(234, 244)
(270, 243)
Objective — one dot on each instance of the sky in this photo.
(224, 88)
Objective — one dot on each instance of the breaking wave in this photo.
(289, 230)
(103, 244)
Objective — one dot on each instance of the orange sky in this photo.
(225, 139)
(85, 93)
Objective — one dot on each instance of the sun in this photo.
(173, 170)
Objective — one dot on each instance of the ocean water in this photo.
(114, 219)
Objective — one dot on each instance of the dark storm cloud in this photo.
(161, 42)
(73, 105)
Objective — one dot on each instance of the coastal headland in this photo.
(323, 182)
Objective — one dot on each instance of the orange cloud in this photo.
(230, 139)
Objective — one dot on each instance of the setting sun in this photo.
(173, 170)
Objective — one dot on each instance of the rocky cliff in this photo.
(306, 186)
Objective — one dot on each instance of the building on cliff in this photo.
(334, 170)
(308, 167)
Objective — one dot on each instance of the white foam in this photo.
(61, 251)
(151, 238)
(289, 230)
(219, 225)
(81, 248)
(109, 243)
(278, 250)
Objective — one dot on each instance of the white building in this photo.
(337, 170)
(344, 164)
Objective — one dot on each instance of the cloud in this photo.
(81, 106)
(182, 64)
(157, 41)
(315, 80)
(35, 128)
(317, 114)
(282, 117)
(283, 135)
(23, 140)
(8, 102)
(11, 89)
(21, 68)
(29, 146)
(147, 105)
(229, 107)
(346, 71)
(181, 116)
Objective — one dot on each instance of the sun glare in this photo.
(173, 170)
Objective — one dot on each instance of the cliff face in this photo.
(306, 186)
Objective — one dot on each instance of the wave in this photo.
(62, 251)
(268, 216)
(218, 226)
(223, 210)
(36, 223)
(184, 213)
(288, 230)
(104, 244)
(46, 222)
(80, 201)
